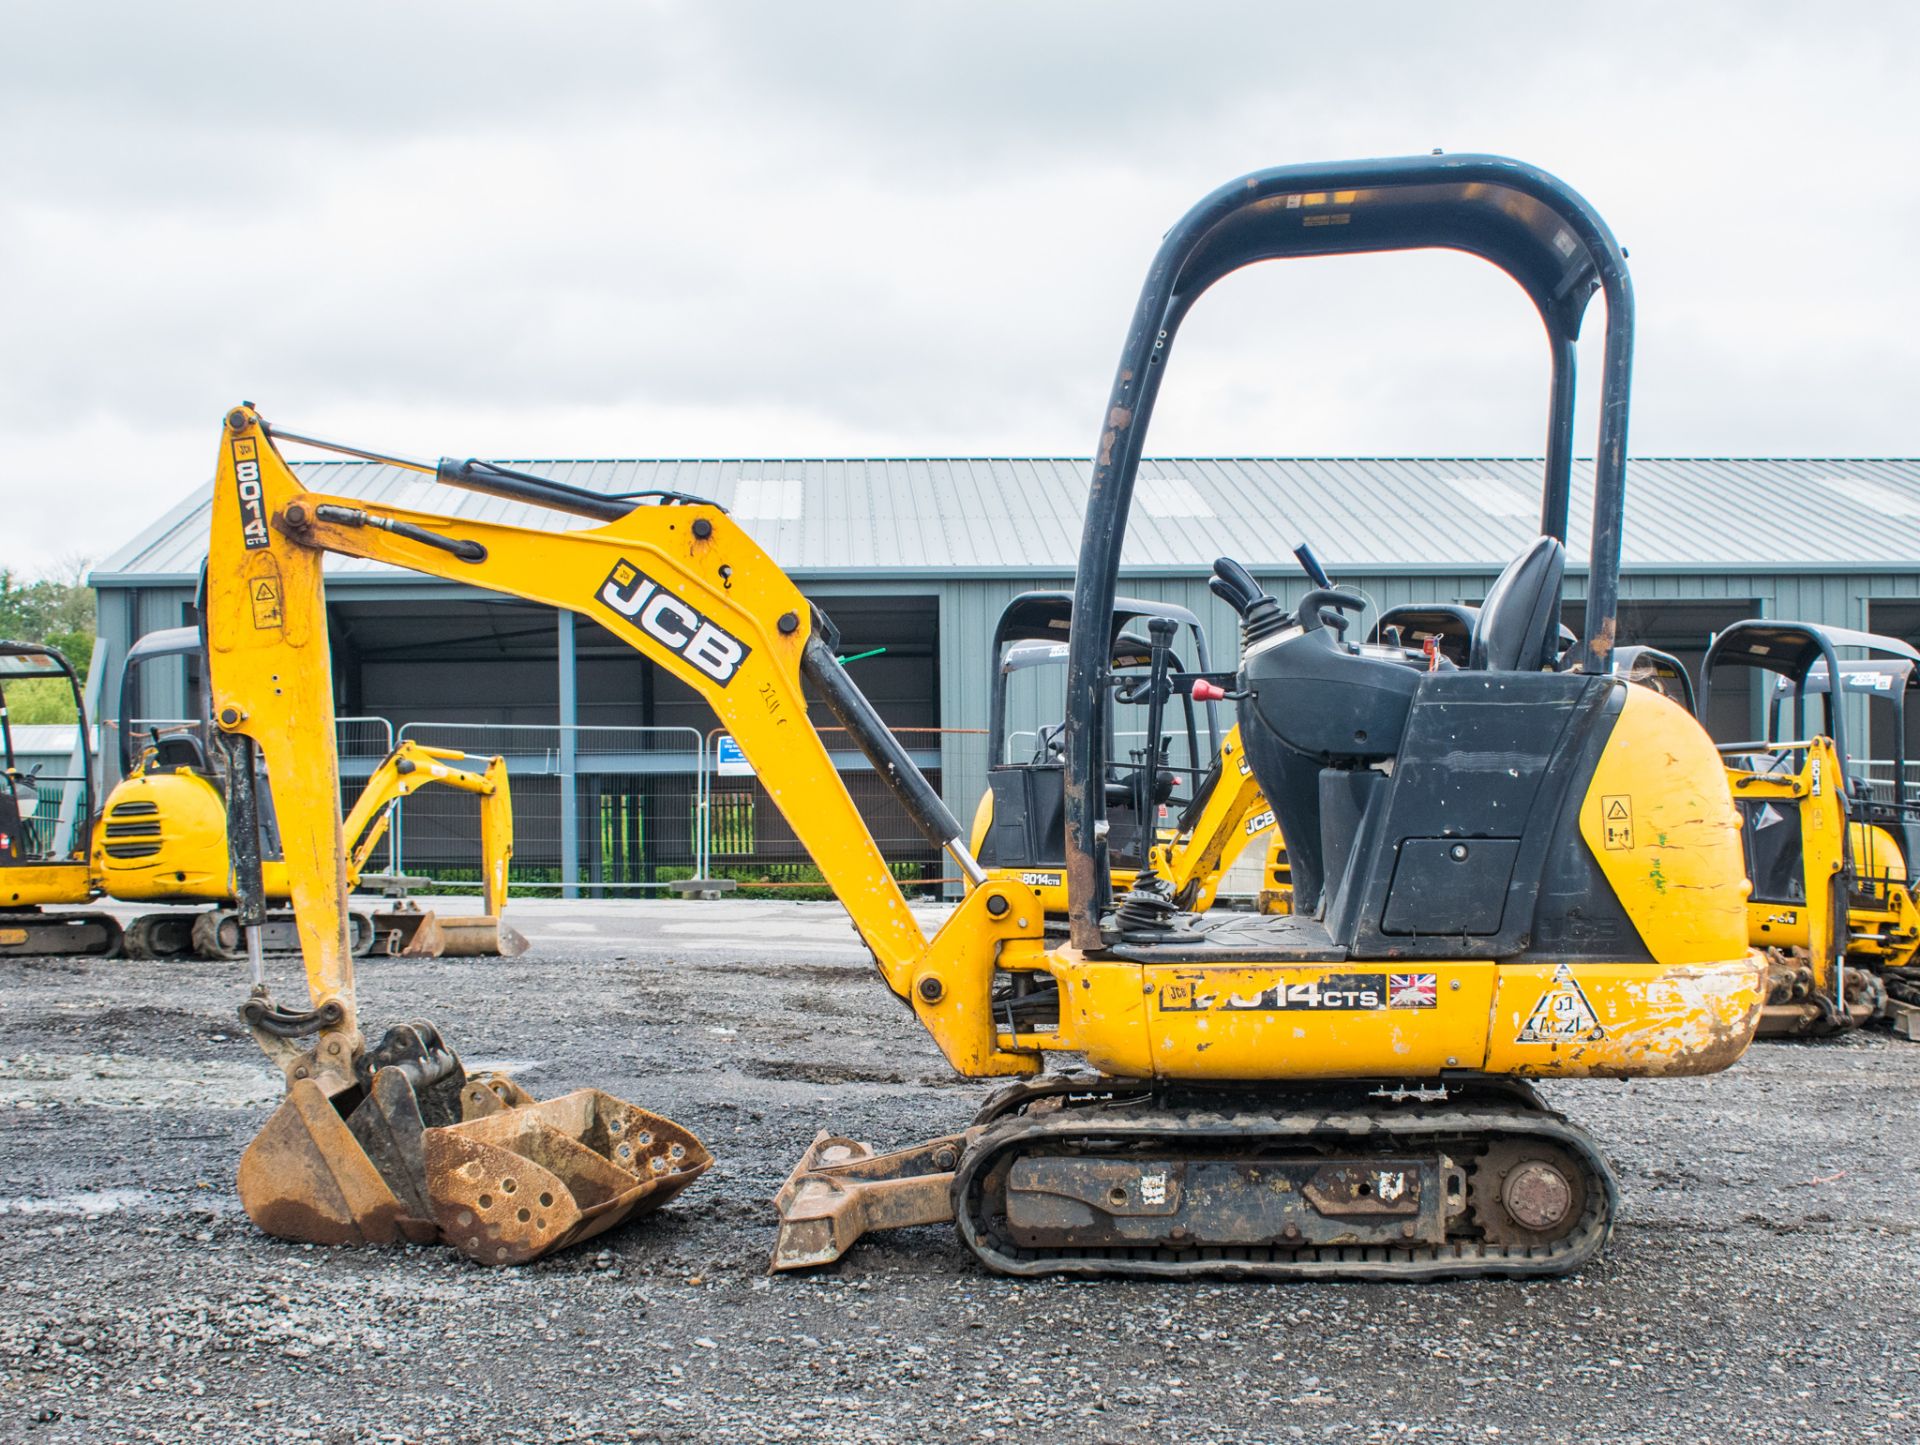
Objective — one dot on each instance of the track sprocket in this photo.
(1526, 1192)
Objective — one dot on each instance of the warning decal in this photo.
(1616, 819)
(265, 595)
(1563, 1014)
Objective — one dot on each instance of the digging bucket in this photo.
(421, 1151)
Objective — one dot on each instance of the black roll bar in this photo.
(1799, 652)
(1519, 218)
(62, 667)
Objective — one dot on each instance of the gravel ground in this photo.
(1760, 1286)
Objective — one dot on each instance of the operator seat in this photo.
(1518, 629)
(13, 843)
(177, 750)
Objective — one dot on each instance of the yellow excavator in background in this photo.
(163, 838)
(1203, 802)
(1827, 847)
(45, 882)
(1502, 872)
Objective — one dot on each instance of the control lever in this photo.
(1322, 606)
(1310, 564)
(1234, 584)
(1260, 614)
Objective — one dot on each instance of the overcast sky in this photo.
(817, 229)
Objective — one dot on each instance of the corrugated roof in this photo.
(958, 515)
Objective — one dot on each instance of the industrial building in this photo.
(917, 556)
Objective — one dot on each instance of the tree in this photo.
(57, 610)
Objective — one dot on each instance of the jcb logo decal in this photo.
(672, 623)
(246, 480)
(1259, 822)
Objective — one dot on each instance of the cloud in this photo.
(733, 228)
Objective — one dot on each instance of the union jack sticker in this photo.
(1412, 990)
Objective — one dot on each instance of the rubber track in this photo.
(45, 930)
(1342, 1126)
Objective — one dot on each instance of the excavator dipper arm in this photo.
(401, 773)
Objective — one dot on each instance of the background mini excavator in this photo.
(1204, 806)
(161, 837)
(1827, 847)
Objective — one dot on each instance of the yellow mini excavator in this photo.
(1502, 872)
(42, 879)
(1200, 794)
(1827, 848)
(162, 838)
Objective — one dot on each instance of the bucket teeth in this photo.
(389, 1130)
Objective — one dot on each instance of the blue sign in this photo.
(728, 759)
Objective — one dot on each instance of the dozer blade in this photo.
(411, 933)
(841, 1189)
(527, 1180)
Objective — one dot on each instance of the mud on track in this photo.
(1759, 1288)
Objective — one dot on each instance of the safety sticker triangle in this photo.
(1562, 1015)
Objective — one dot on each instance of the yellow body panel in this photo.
(32, 885)
(191, 820)
(1883, 922)
(1660, 822)
(1810, 792)
(1624, 1020)
(1238, 1023)
(1411, 1021)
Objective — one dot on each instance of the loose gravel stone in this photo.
(1759, 1287)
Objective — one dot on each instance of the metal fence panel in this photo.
(633, 803)
(751, 842)
(40, 826)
